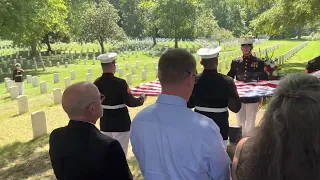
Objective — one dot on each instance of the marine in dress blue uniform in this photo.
(115, 121)
(214, 93)
(247, 68)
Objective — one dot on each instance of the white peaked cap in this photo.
(207, 53)
(246, 41)
(107, 58)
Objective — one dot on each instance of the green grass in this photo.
(24, 158)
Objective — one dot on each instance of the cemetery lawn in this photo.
(23, 158)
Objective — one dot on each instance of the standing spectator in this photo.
(79, 150)
(169, 140)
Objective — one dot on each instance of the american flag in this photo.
(261, 89)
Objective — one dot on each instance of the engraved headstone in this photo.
(73, 75)
(43, 87)
(55, 78)
(67, 82)
(9, 83)
(23, 104)
(89, 77)
(57, 96)
(39, 123)
(14, 92)
(35, 81)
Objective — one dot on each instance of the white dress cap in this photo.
(246, 41)
(107, 58)
(208, 53)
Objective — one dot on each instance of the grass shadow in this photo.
(20, 151)
(135, 168)
(293, 67)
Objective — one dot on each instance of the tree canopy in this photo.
(33, 22)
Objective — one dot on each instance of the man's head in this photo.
(177, 68)
(209, 57)
(246, 45)
(108, 62)
(82, 101)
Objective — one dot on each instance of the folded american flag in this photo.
(261, 89)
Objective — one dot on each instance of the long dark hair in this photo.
(286, 144)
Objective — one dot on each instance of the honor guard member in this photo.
(115, 121)
(18, 77)
(214, 93)
(247, 68)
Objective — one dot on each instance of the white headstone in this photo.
(77, 61)
(127, 66)
(117, 68)
(89, 77)
(66, 65)
(50, 64)
(73, 75)
(5, 80)
(90, 70)
(9, 83)
(133, 70)
(43, 87)
(57, 96)
(14, 92)
(9, 71)
(129, 79)
(93, 62)
(67, 82)
(137, 64)
(35, 81)
(156, 71)
(29, 78)
(144, 75)
(39, 123)
(56, 78)
(1, 72)
(120, 72)
(146, 67)
(58, 64)
(154, 65)
(23, 104)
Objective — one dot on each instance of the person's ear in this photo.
(201, 62)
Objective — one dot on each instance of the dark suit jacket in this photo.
(81, 151)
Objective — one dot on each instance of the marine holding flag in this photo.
(115, 121)
(247, 68)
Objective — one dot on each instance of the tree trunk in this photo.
(47, 42)
(34, 48)
(101, 45)
(176, 41)
(154, 36)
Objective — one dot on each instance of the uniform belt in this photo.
(114, 107)
(214, 110)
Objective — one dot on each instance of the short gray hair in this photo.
(174, 65)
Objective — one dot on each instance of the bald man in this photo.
(79, 150)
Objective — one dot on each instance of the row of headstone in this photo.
(284, 57)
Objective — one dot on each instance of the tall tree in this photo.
(150, 18)
(177, 18)
(27, 22)
(100, 23)
(287, 15)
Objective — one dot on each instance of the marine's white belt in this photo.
(114, 107)
(214, 110)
